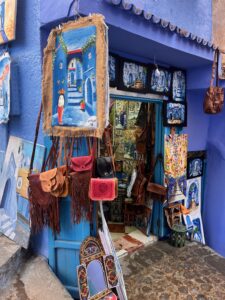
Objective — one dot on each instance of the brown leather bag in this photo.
(44, 208)
(55, 181)
(139, 187)
(155, 188)
(214, 98)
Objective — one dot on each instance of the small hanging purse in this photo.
(105, 165)
(103, 189)
(214, 98)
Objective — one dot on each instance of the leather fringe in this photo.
(80, 204)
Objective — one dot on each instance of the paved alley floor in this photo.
(163, 272)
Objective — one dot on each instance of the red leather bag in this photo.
(103, 189)
(83, 163)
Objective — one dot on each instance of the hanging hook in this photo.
(157, 72)
(76, 4)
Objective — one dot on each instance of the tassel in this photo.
(80, 204)
(45, 214)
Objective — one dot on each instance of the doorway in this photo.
(137, 139)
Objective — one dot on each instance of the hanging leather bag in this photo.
(81, 169)
(103, 189)
(44, 208)
(139, 187)
(55, 180)
(214, 98)
(155, 188)
(105, 165)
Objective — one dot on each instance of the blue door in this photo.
(64, 248)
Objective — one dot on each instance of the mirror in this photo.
(96, 278)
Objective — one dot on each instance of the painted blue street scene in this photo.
(179, 86)
(14, 204)
(160, 81)
(74, 73)
(4, 87)
(134, 75)
(175, 113)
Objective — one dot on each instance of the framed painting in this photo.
(160, 80)
(113, 69)
(133, 76)
(75, 82)
(193, 196)
(174, 114)
(14, 203)
(179, 85)
(195, 226)
(195, 164)
(5, 64)
(8, 11)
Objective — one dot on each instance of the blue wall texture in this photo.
(25, 51)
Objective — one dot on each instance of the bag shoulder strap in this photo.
(160, 159)
(217, 75)
(214, 68)
(108, 144)
(35, 139)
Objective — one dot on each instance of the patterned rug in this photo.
(163, 272)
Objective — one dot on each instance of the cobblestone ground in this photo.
(163, 272)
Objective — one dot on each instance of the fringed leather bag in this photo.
(214, 98)
(55, 181)
(80, 177)
(44, 207)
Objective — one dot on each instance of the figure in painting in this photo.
(61, 103)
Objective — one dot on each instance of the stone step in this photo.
(5, 225)
(9, 231)
(72, 89)
(3, 220)
(10, 259)
(35, 281)
(74, 101)
(26, 277)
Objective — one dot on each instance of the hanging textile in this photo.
(75, 79)
(4, 87)
(175, 166)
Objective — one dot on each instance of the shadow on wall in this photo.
(198, 121)
(214, 207)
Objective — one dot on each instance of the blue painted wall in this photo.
(194, 16)
(26, 53)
